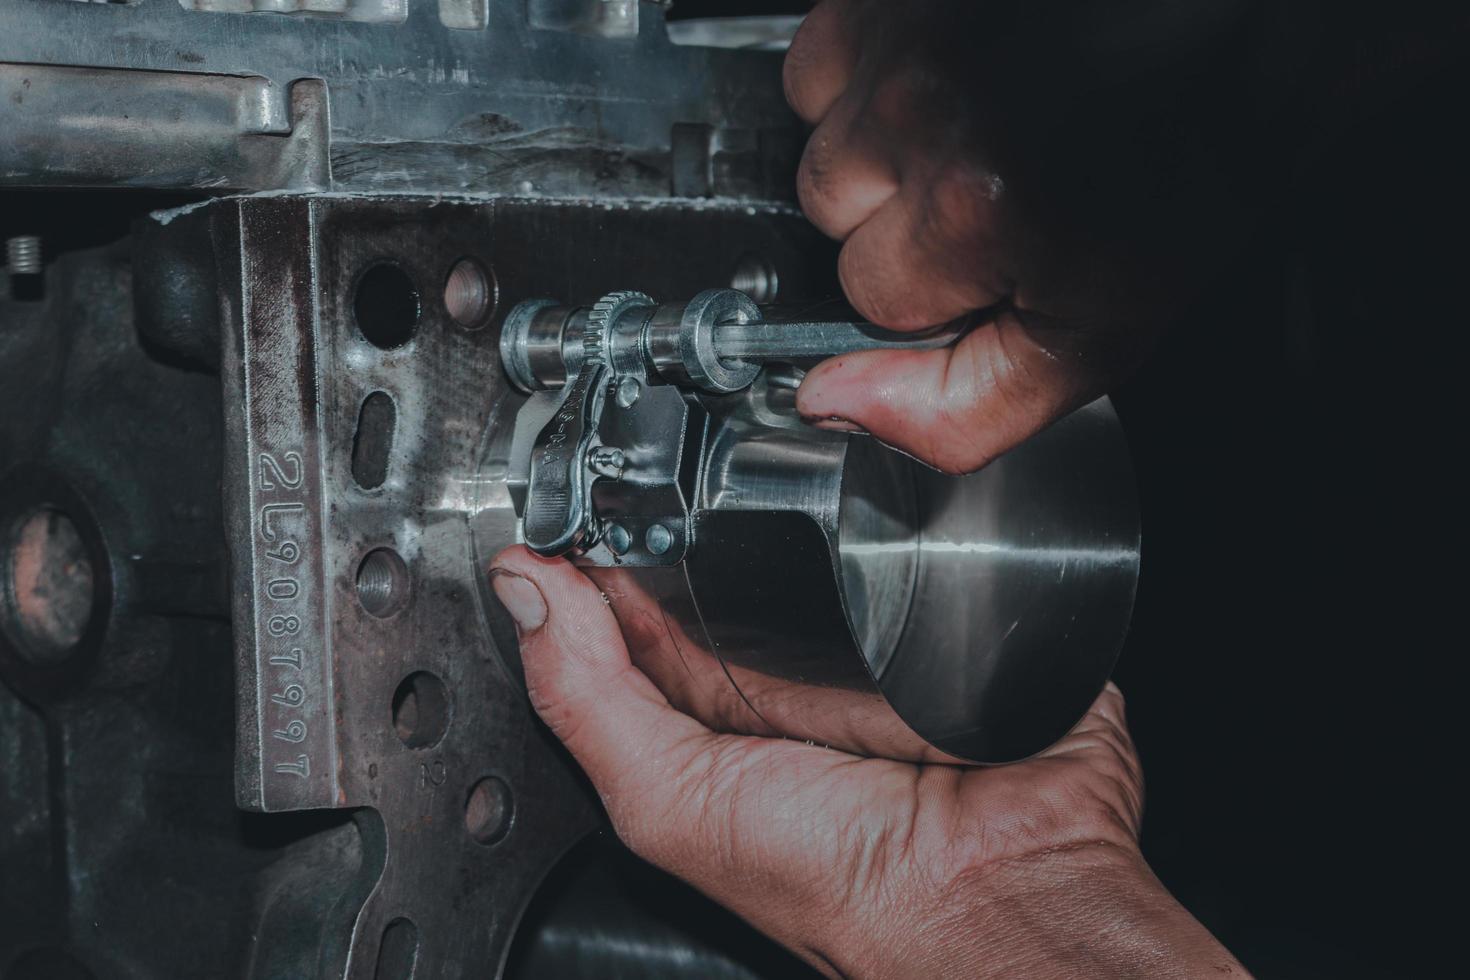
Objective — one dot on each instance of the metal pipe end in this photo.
(515, 347)
(699, 359)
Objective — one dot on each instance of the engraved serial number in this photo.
(280, 606)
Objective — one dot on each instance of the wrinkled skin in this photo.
(870, 867)
(863, 867)
(990, 157)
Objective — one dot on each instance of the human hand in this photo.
(994, 157)
(864, 867)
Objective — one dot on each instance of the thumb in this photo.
(623, 732)
(957, 408)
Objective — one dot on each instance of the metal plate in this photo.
(155, 94)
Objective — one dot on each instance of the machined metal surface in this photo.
(448, 96)
(715, 342)
(366, 675)
(854, 597)
(774, 338)
(862, 600)
(858, 599)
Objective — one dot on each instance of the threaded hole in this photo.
(470, 294)
(382, 583)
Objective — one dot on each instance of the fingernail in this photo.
(521, 599)
(836, 423)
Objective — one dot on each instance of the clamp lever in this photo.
(559, 512)
(568, 457)
(715, 344)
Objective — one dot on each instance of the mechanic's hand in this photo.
(985, 156)
(864, 867)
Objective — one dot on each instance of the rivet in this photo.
(659, 539)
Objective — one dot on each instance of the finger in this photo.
(720, 811)
(847, 172)
(1112, 706)
(956, 408)
(1104, 728)
(680, 665)
(621, 730)
(1103, 740)
(820, 62)
(928, 255)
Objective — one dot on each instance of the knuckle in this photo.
(824, 186)
(892, 97)
(816, 188)
(842, 182)
(955, 221)
(792, 83)
(797, 76)
(814, 62)
(813, 179)
(875, 288)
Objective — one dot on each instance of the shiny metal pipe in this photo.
(806, 339)
(841, 593)
(861, 600)
(827, 587)
(714, 342)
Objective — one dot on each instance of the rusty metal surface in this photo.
(322, 665)
(325, 719)
(402, 802)
(124, 403)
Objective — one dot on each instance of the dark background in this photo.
(1296, 444)
(1296, 450)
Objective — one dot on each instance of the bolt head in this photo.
(629, 391)
(618, 539)
(658, 539)
(607, 461)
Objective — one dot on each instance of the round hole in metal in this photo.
(387, 306)
(398, 952)
(421, 710)
(489, 810)
(372, 443)
(755, 276)
(46, 585)
(382, 582)
(470, 293)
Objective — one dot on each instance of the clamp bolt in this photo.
(659, 539)
(629, 391)
(23, 255)
(607, 461)
(617, 537)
